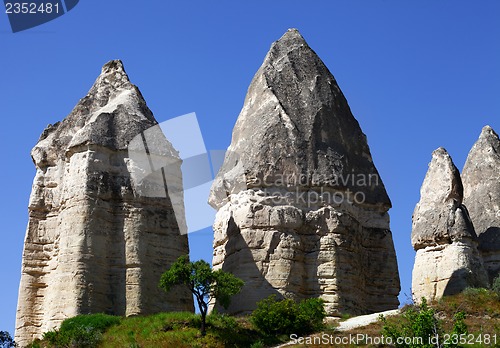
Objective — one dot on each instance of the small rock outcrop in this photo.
(302, 211)
(481, 179)
(447, 259)
(95, 242)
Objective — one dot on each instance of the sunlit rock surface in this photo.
(447, 259)
(302, 211)
(98, 241)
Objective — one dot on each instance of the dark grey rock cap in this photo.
(296, 121)
(440, 217)
(110, 115)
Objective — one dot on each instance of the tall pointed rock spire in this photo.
(481, 178)
(110, 115)
(296, 121)
(440, 194)
(447, 259)
(95, 243)
(302, 211)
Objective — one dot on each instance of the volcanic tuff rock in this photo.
(302, 211)
(447, 260)
(481, 179)
(96, 241)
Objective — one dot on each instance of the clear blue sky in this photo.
(417, 75)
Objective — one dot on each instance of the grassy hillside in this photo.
(481, 309)
(181, 330)
(163, 330)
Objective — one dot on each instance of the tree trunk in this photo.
(203, 323)
(203, 311)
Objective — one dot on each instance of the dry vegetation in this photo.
(482, 317)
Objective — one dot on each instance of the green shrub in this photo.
(474, 292)
(419, 324)
(311, 314)
(277, 317)
(459, 326)
(496, 285)
(99, 322)
(258, 344)
(82, 331)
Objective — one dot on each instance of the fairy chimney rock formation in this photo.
(101, 227)
(447, 259)
(481, 179)
(302, 211)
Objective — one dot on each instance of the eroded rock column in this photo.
(302, 211)
(481, 178)
(447, 259)
(98, 239)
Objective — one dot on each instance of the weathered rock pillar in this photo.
(95, 242)
(447, 259)
(302, 211)
(481, 179)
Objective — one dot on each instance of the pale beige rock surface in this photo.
(302, 211)
(95, 242)
(447, 259)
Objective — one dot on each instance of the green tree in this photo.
(203, 282)
(6, 340)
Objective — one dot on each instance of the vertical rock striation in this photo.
(447, 260)
(481, 179)
(95, 242)
(302, 211)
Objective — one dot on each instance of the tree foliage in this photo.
(6, 340)
(205, 283)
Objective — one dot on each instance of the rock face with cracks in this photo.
(481, 179)
(447, 259)
(302, 211)
(102, 226)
